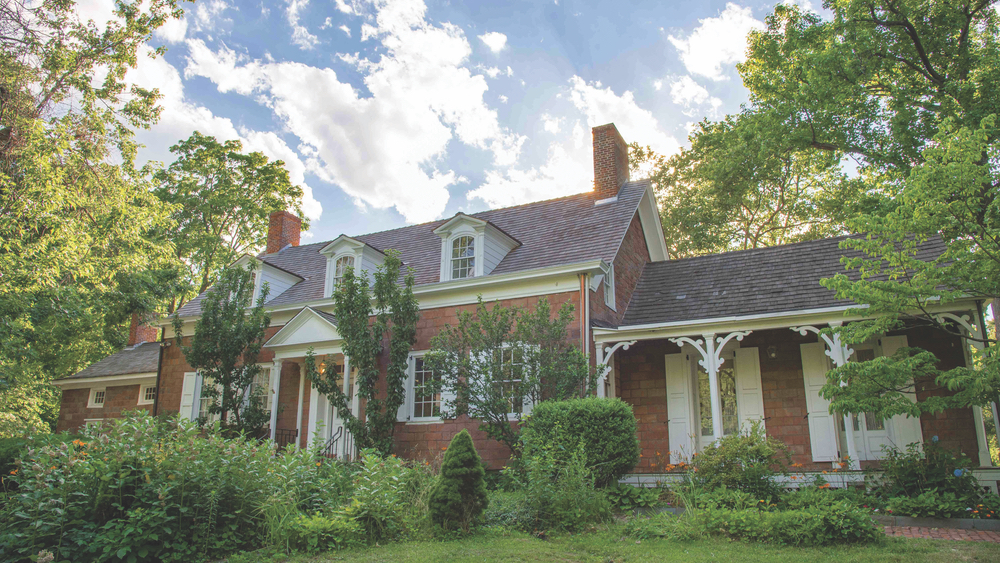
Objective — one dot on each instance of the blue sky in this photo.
(391, 113)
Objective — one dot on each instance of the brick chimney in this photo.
(284, 229)
(139, 331)
(610, 161)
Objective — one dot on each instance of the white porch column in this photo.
(313, 411)
(840, 354)
(275, 383)
(298, 408)
(712, 361)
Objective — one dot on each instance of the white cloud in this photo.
(345, 29)
(327, 23)
(344, 7)
(492, 71)
(657, 85)
(496, 41)
(503, 99)
(385, 149)
(181, 117)
(208, 15)
(300, 35)
(551, 124)
(568, 168)
(173, 31)
(602, 105)
(686, 92)
(717, 41)
(510, 71)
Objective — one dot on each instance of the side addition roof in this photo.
(139, 359)
(748, 282)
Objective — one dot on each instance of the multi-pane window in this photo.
(426, 394)
(96, 398)
(262, 388)
(609, 287)
(205, 402)
(340, 269)
(147, 394)
(727, 395)
(463, 258)
(512, 375)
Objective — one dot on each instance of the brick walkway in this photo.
(943, 534)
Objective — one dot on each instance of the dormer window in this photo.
(340, 269)
(471, 247)
(463, 258)
(345, 252)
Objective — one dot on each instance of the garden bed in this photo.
(956, 523)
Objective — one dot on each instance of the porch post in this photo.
(711, 361)
(604, 355)
(840, 354)
(344, 454)
(977, 332)
(298, 408)
(275, 383)
(602, 380)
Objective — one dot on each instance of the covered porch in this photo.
(691, 382)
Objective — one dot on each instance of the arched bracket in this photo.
(604, 357)
(836, 350)
(711, 347)
(966, 323)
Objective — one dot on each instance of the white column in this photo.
(275, 383)
(602, 381)
(604, 355)
(313, 411)
(840, 354)
(712, 361)
(298, 408)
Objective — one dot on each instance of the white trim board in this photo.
(107, 381)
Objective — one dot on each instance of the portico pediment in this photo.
(308, 328)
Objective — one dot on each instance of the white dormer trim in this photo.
(283, 279)
(366, 258)
(491, 244)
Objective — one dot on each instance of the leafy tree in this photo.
(369, 315)
(737, 187)
(221, 199)
(459, 497)
(907, 89)
(494, 362)
(77, 220)
(225, 349)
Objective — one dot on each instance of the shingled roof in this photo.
(139, 359)
(748, 282)
(554, 232)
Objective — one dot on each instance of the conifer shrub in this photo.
(604, 428)
(459, 497)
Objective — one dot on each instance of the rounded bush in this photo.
(605, 427)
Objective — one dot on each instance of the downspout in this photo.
(159, 369)
(982, 333)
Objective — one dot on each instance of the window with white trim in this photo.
(463, 257)
(340, 267)
(96, 399)
(205, 402)
(512, 372)
(147, 394)
(609, 287)
(426, 402)
(262, 381)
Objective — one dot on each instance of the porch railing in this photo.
(342, 438)
(285, 436)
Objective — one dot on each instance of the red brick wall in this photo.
(283, 228)
(426, 440)
(73, 409)
(631, 259)
(640, 382)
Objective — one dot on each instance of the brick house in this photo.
(701, 347)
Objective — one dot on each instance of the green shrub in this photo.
(380, 504)
(141, 489)
(319, 532)
(459, 497)
(930, 504)
(922, 469)
(837, 523)
(560, 492)
(746, 462)
(605, 428)
(627, 498)
(509, 510)
(682, 527)
(732, 499)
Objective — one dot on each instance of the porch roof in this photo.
(744, 283)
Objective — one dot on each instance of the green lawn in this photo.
(608, 547)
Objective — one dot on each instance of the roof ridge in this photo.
(759, 249)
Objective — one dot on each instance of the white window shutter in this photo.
(404, 410)
(187, 395)
(822, 424)
(678, 374)
(749, 393)
(905, 429)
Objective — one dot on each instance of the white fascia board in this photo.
(540, 281)
(337, 245)
(763, 321)
(458, 219)
(106, 381)
(652, 229)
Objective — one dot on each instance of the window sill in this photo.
(424, 421)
